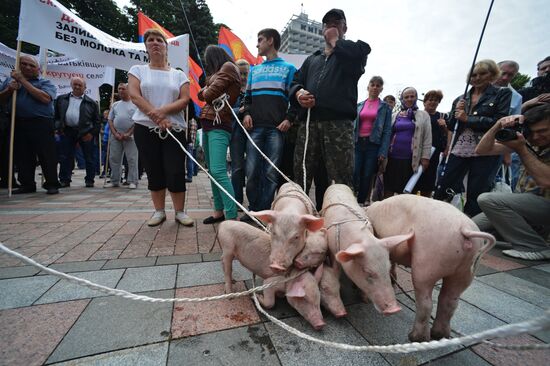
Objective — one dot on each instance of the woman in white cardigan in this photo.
(410, 143)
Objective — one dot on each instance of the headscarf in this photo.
(408, 111)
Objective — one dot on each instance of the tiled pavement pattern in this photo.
(100, 235)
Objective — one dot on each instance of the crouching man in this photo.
(522, 218)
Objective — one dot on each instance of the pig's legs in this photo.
(268, 298)
(421, 328)
(447, 302)
(227, 264)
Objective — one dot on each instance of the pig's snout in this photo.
(341, 314)
(277, 268)
(298, 264)
(391, 309)
(319, 325)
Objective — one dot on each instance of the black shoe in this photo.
(189, 180)
(64, 184)
(22, 190)
(52, 191)
(247, 219)
(213, 220)
(89, 184)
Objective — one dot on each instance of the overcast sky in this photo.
(428, 44)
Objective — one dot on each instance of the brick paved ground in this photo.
(100, 234)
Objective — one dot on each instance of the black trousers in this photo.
(164, 161)
(34, 137)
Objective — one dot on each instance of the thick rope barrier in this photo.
(131, 296)
(529, 326)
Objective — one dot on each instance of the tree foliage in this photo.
(169, 14)
(520, 80)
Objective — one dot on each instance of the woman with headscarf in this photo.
(410, 143)
(484, 105)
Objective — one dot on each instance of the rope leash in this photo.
(131, 296)
(528, 326)
(305, 147)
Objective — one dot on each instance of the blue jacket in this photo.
(266, 96)
(381, 131)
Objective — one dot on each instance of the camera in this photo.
(509, 134)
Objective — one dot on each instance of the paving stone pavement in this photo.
(101, 235)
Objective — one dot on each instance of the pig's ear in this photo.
(265, 215)
(312, 223)
(392, 241)
(296, 290)
(350, 253)
(319, 273)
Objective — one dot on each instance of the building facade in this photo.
(302, 35)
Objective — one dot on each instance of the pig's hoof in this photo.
(418, 337)
(439, 334)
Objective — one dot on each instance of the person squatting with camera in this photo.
(522, 218)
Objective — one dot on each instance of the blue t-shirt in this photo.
(29, 107)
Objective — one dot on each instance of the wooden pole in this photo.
(12, 127)
(44, 70)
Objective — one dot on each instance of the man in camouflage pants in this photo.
(327, 83)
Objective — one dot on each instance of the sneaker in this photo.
(157, 218)
(52, 191)
(184, 219)
(529, 256)
(110, 185)
(132, 186)
(89, 184)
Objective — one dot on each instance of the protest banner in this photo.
(60, 70)
(49, 24)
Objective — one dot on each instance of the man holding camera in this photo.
(521, 218)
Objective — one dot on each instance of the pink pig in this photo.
(330, 292)
(290, 217)
(302, 293)
(447, 245)
(363, 257)
(252, 247)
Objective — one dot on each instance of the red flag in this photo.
(195, 71)
(235, 47)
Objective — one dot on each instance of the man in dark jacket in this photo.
(327, 83)
(77, 121)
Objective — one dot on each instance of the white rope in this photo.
(131, 296)
(159, 131)
(190, 156)
(304, 172)
(528, 326)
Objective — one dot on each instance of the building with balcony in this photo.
(302, 35)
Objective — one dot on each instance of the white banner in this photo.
(49, 24)
(60, 70)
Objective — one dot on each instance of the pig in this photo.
(352, 245)
(252, 247)
(302, 293)
(315, 250)
(330, 292)
(291, 215)
(447, 245)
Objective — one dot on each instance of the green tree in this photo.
(169, 14)
(520, 80)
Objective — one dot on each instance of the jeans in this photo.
(215, 143)
(481, 176)
(68, 142)
(237, 148)
(366, 164)
(262, 178)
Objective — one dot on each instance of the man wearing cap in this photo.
(327, 83)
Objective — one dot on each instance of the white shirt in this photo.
(159, 87)
(72, 115)
(121, 114)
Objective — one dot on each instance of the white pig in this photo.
(330, 292)
(364, 258)
(290, 217)
(302, 293)
(447, 245)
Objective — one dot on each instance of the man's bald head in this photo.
(79, 86)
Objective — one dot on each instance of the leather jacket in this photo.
(89, 119)
(226, 80)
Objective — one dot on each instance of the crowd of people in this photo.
(347, 142)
